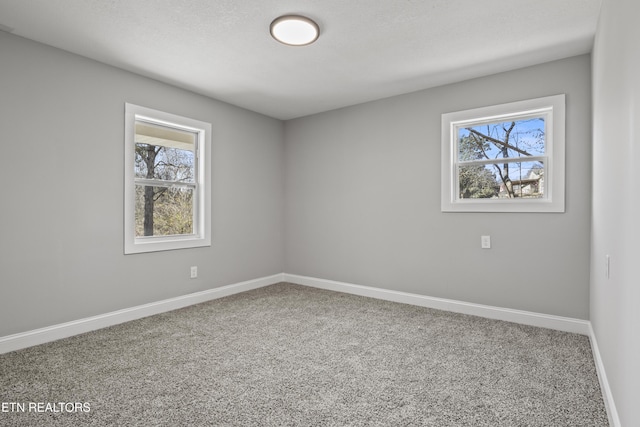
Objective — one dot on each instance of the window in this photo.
(504, 158)
(167, 174)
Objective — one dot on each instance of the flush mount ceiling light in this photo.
(294, 30)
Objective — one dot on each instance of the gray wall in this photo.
(362, 194)
(350, 195)
(615, 302)
(61, 216)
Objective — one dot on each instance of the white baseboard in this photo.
(565, 324)
(64, 330)
(612, 412)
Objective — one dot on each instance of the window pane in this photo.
(526, 180)
(517, 138)
(164, 153)
(163, 211)
(502, 180)
(478, 182)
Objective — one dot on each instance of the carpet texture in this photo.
(289, 355)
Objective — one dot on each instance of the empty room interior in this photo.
(221, 227)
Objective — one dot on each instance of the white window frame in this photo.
(553, 109)
(202, 192)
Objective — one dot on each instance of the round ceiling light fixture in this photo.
(294, 30)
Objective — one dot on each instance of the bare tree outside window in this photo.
(502, 159)
(167, 175)
(165, 181)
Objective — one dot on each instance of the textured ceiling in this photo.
(368, 49)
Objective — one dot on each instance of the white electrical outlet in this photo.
(607, 266)
(194, 272)
(485, 242)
